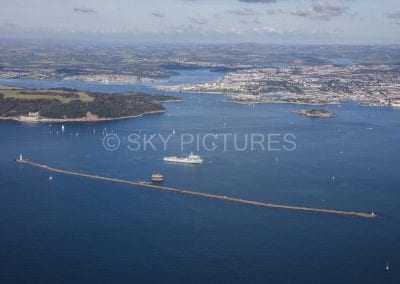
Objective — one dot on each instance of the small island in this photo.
(316, 113)
(68, 105)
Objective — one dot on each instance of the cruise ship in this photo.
(191, 159)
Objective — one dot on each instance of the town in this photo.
(372, 85)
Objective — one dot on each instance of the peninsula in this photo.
(64, 105)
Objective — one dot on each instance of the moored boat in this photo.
(157, 177)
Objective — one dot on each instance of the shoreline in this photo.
(282, 103)
(231, 99)
(81, 119)
(169, 101)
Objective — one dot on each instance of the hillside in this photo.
(69, 104)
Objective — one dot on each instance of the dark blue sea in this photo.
(75, 230)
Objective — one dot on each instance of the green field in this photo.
(59, 95)
(66, 103)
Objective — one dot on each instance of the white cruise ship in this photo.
(191, 159)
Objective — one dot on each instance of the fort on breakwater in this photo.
(198, 194)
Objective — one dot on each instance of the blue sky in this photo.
(270, 21)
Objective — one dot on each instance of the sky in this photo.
(266, 21)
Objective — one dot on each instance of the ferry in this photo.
(191, 159)
(157, 178)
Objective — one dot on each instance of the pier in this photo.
(198, 194)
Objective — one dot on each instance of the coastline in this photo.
(169, 101)
(280, 103)
(231, 99)
(81, 119)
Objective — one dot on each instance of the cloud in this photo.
(83, 9)
(233, 31)
(182, 29)
(258, 1)
(245, 1)
(243, 12)
(9, 25)
(267, 30)
(158, 15)
(318, 11)
(394, 16)
(198, 20)
(245, 22)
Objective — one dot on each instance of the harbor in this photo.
(148, 185)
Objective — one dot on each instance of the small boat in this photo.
(50, 177)
(387, 266)
(157, 177)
